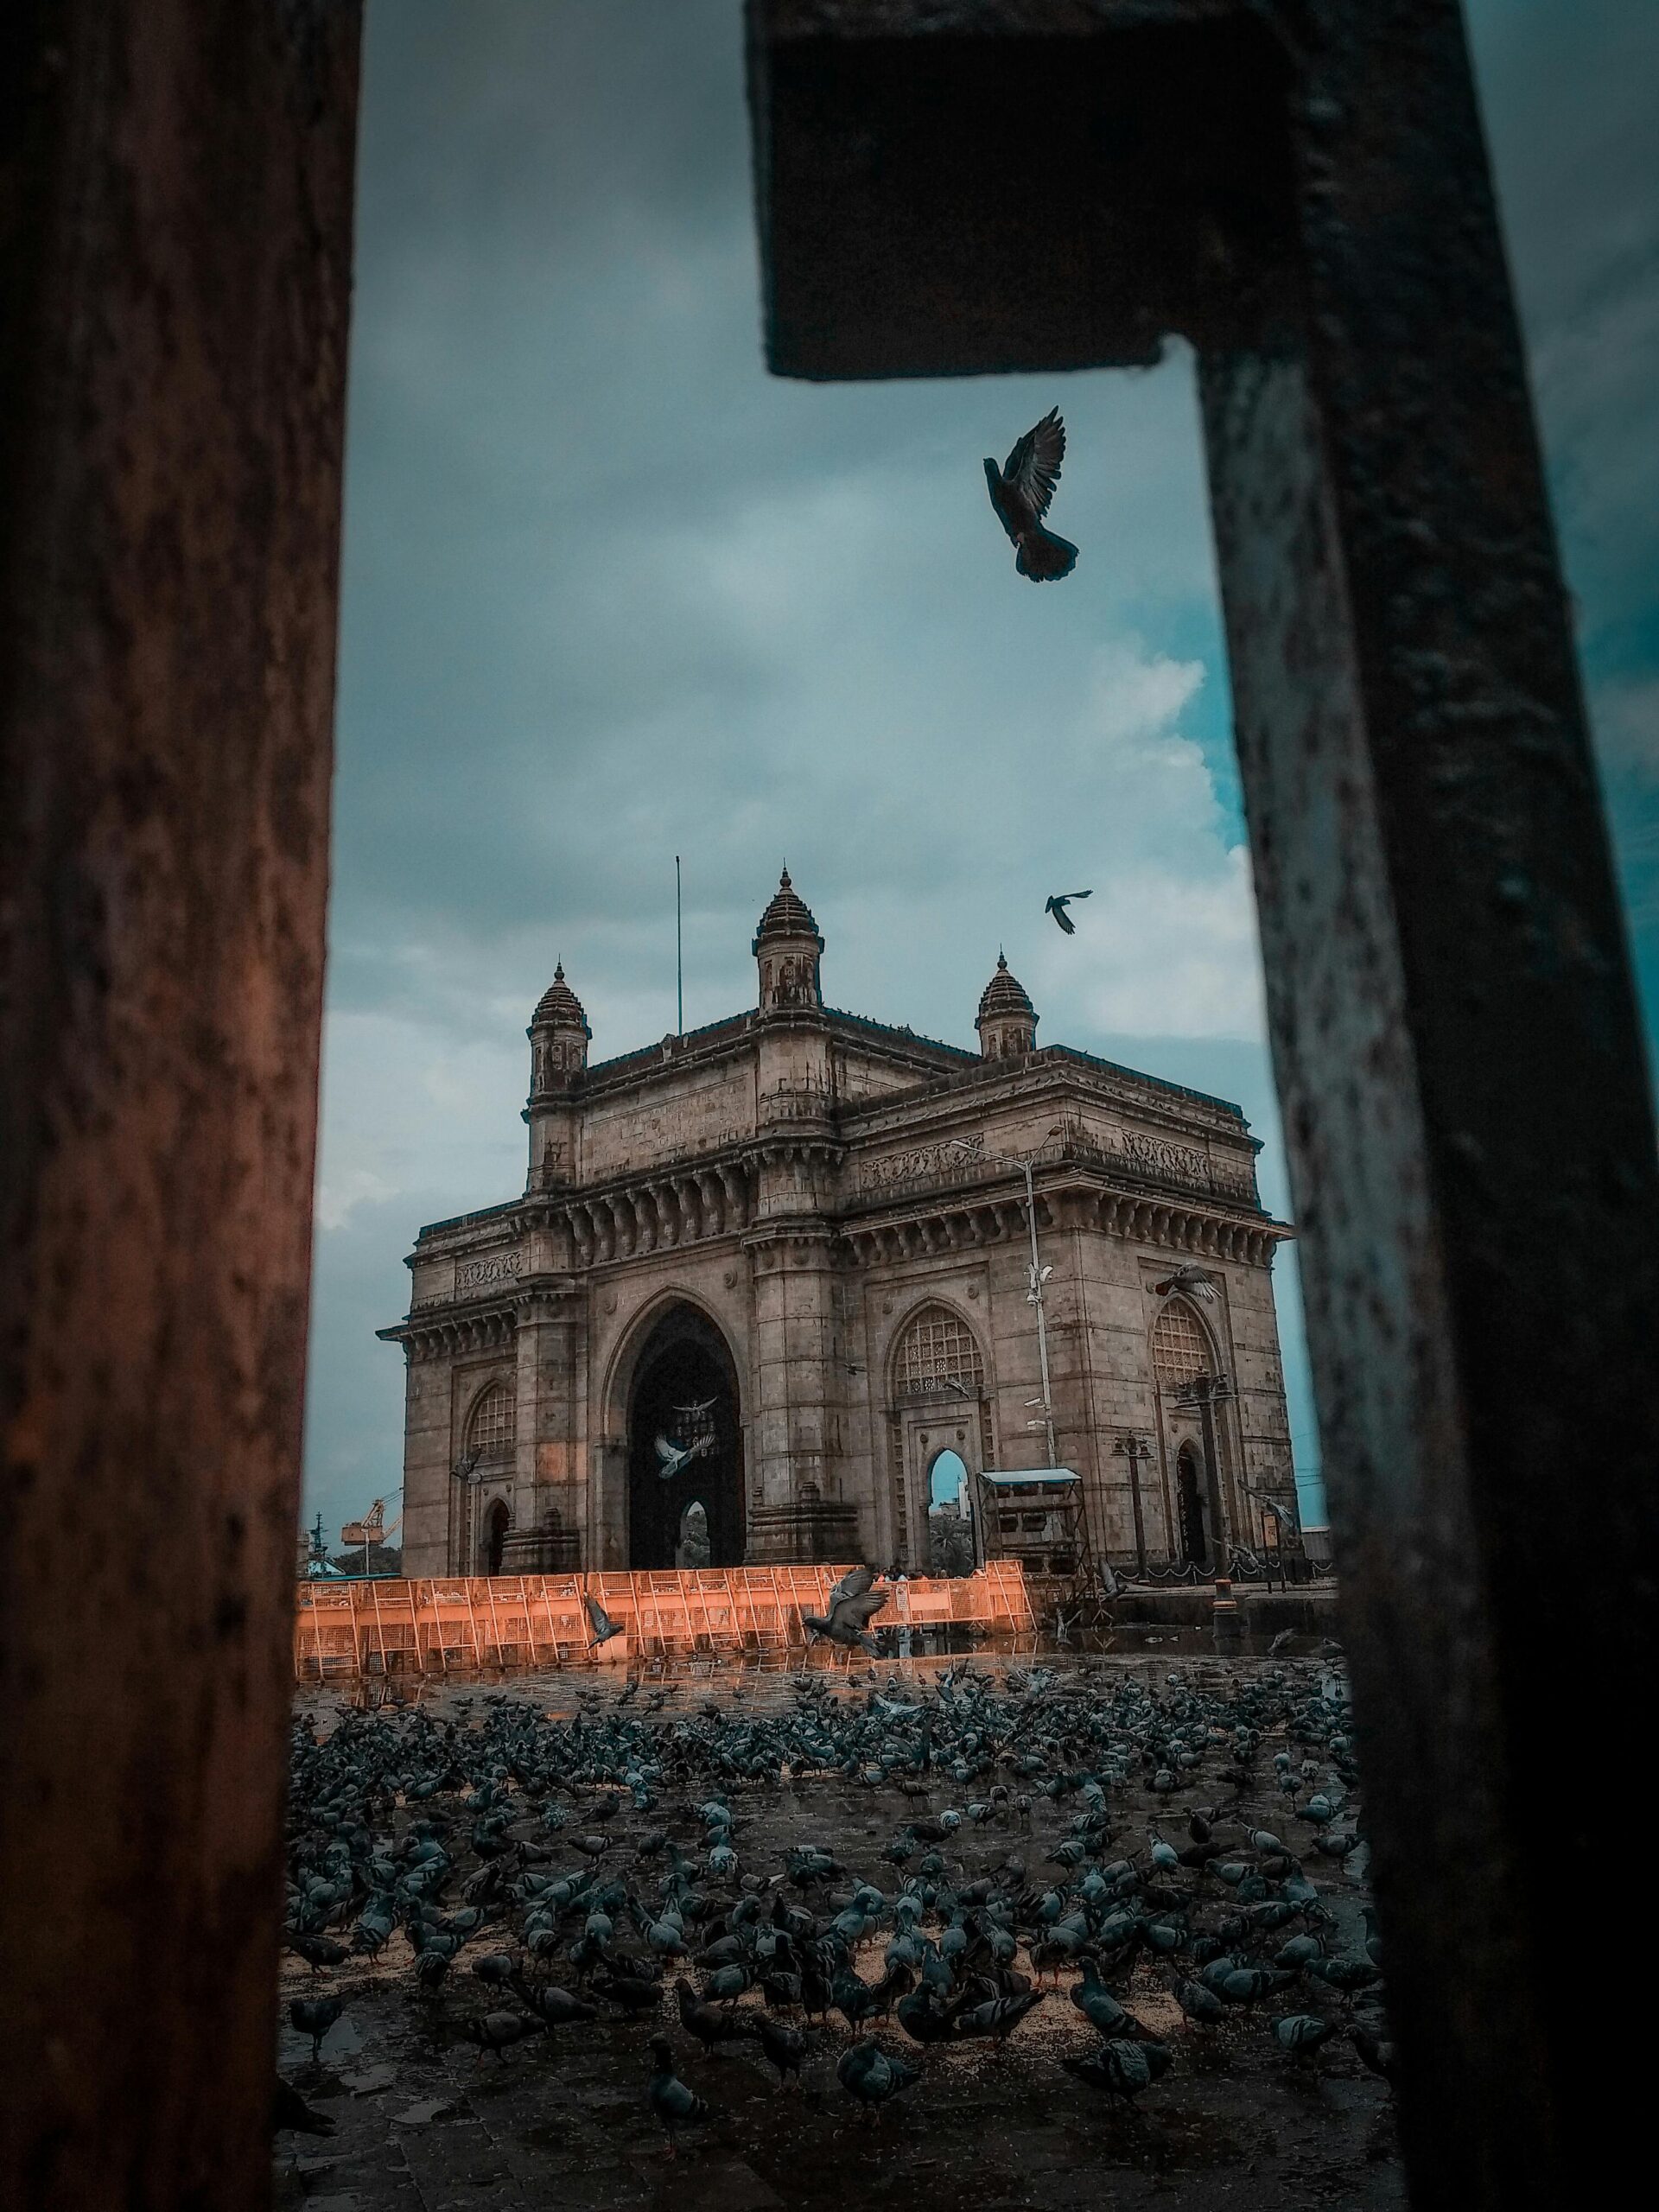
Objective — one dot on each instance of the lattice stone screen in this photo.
(491, 1431)
(934, 1351)
(1179, 1348)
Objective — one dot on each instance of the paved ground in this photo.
(421, 2126)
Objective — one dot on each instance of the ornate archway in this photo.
(684, 1444)
(936, 1400)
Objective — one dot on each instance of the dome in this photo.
(787, 916)
(1004, 995)
(559, 1008)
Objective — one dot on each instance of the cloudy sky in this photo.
(612, 593)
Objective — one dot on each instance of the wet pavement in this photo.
(423, 2124)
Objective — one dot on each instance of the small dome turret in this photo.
(1007, 1021)
(559, 1008)
(558, 1035)
(787, 946)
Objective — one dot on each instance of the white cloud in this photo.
(339, 1199)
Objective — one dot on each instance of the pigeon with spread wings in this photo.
(1058, 904)
(1021, 491)
(853, 1605)
(672, 1457)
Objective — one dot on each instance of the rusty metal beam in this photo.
(1453, 1025)
(175, 221)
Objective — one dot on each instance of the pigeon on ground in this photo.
(1119, 2067)
(289, 2110)
(785, 2047)
(872, 2075)
(498, 2032)
(319, 1950)
(313, 2017)
(1375, 2050)
(702, 2020)
(998, 2018)
(1189, 1281)
(557, 2008)
(630, 1992)
(675, 2105)
(1301, 2033)
(1058, 904)
(1021, 491)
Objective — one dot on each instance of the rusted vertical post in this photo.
(175, 197)
(1302, 190)
(1457, 1057)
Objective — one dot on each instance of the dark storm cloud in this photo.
(612, 593)
(1569, 91)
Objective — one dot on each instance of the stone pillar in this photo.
(550, 1503)
(795, 1509)
(428, 1458)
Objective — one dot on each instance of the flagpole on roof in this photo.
(679, 957)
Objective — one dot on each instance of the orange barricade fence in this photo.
(426, 1627)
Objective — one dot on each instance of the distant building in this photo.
(774, 1268)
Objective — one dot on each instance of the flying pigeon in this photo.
(1194, 1281)
(853, 1605)
(600, 1621)
(676, 1455)
(1021, 491)
(1058, 904)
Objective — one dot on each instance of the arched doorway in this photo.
(1189, 1484)
(497, 1521)
(685, 1446)
(950, 1516)
(936, 1400)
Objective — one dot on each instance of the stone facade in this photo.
(774, 1267)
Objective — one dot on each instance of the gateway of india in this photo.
(764, 1275)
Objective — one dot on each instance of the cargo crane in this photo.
(372, 1529)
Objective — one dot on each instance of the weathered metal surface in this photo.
(994, 172)
(1454, 1030)
(175, 194)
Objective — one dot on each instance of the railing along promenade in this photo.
(350, 1630)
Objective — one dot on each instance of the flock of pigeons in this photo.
(560, 1870)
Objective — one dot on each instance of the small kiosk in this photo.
(1035, 1515)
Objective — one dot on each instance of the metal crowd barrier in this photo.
(425, 1627)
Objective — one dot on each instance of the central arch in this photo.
(683, 1395)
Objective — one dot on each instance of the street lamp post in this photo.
(1034, 1295)
(464, 1471)
(1135, 1449)
(1206, 1392)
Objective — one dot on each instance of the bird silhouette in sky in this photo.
(1020, 491)
(1058, 904)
